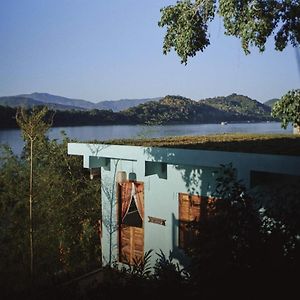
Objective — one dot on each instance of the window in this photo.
(268, 179)
(133, 217)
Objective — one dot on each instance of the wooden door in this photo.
(131, 229)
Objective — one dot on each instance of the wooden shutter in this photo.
(131, 243)
(189, 210)
(195, 202)
(131, 239)
(192, 208)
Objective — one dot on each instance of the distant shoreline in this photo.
(152, 125)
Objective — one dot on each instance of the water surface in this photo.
(13, 138)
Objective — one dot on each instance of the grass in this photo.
(283, 144)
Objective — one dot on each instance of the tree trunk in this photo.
(30, 208)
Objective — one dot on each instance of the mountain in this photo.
(239, 106)
(68, 102)
(64, 103)
(178, 109)
(26, 101)
(271, 102)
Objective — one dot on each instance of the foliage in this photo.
(227, 232)
(243, 241)
(32, 122)
(168, 271)
(66, 214)
(33, 127)
(67, 117)
(288, 109)
(239, 105)
(138, 282)
(186, 24)
(251, 21)
(141, 266)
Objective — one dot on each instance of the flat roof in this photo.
(282, 144)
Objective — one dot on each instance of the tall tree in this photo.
(252, 21)
(33, 126)
(288, 110)
(66, 214)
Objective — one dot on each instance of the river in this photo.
(13, 138)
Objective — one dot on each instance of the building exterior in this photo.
(149, 194)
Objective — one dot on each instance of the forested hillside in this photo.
(240, 106)
(168, 110)
(271, 102)
(177, 109)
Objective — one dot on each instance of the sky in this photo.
(108, 50)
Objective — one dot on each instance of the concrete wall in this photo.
(161, 201)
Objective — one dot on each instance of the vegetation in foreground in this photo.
(49, 213)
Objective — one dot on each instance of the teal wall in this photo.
(161, 201)
(165, 173)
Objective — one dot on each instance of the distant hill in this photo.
(119, 105)
(271, 102)
(64, 103)
(239, 106)
(177, 109)
(68, 102)
(27, 102)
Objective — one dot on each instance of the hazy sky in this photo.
(112, 49)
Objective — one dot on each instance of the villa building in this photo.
(149, 194)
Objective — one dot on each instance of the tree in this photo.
(252, 21)
(33, 127)
(288, 109)
(66, 212)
